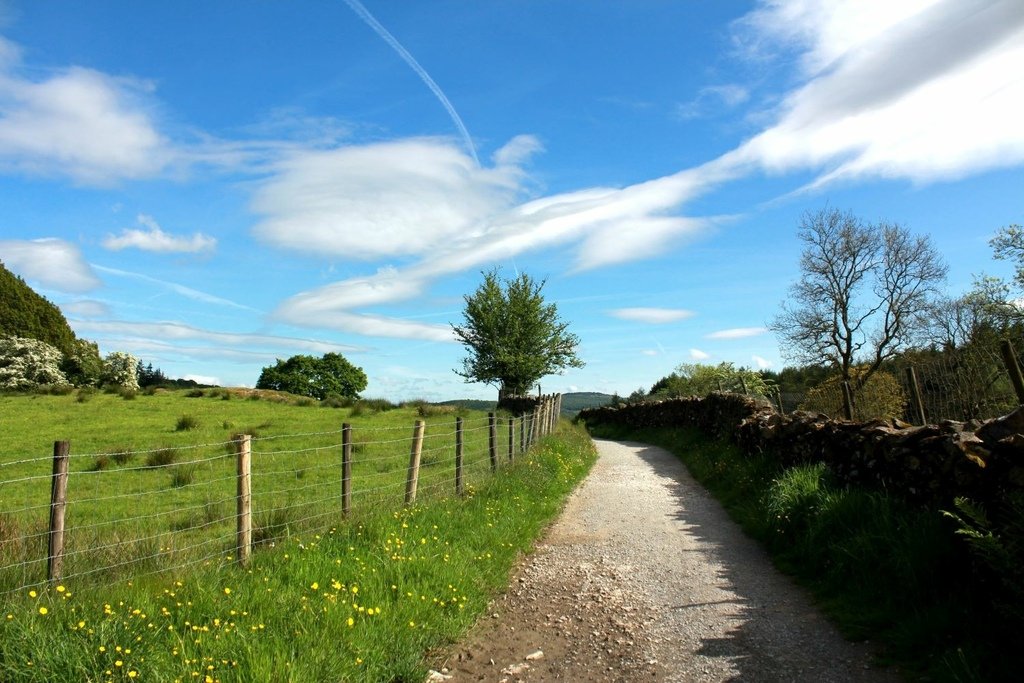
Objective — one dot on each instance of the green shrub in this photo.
(86, 394)
(161, 457)
(195, 393)
(183, 475)
(186, 423)
(881, 397)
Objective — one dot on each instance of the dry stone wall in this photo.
(932, 463)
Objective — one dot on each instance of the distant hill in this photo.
(577, 401)
(23, 313)
(571, 403)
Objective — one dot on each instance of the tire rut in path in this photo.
(645, 578)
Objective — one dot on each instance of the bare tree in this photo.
(860, 296)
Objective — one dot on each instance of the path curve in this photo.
(645, 578)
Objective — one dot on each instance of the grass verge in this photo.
(882, 569)
(362, 601)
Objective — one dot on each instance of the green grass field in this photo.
(150, 569)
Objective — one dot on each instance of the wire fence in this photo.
(65, 517)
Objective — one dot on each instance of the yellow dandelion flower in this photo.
(315, 586)
(43, 610)
(61, 589)
(32, 594)
(118, 663)
(133, 674)
(102, 649)
(227, 591)
(351, 622)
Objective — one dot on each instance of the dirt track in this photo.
(645, 578)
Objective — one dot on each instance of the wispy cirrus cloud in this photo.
(53, 263)
(187, 292)
(712, 98)
(737, 333)
(153, 238)
(653, 316)
(163, 332)
(697, 354)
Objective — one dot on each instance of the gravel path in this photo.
(645, 578)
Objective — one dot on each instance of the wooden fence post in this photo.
(522, 433)
(778, 398)
(915, 396)
(58, 502)
(847, 401)
(511, 437)
(1012, 367)
(459, 486)
(413, 476)
(346, 468)
(243, 535)
(743, 385)
(492, 440)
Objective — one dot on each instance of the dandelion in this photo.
(315, 586)
(61, 589)
(43, 610)
(32, 594)
(227, 591)
(351, 622)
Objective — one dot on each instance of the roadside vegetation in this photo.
(937, 590)
(368, 598)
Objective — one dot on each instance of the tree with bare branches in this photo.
(861, 293)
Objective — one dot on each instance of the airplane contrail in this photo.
(372, 22)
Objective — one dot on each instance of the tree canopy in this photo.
(697, 379)
(26, 314)
(861, 295)
(316, 377)
(513, 338)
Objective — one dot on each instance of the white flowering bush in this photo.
(27, 364)
(120, 369)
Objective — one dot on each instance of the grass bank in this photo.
(882, 569)
(364, 600)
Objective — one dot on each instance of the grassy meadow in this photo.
(151, 591)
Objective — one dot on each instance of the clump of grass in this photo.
(305, 402)
(183, 475)
(122, 456)
(227, 424)
(186, 423)
(127, 394)
(85, 394)
(195, 393)
(336, 401)
(100, 463)
(162, 457)
(432, 410)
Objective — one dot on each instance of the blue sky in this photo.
(213, 185)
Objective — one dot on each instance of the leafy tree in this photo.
(28, 364)
(315, 377)
(512, 336)
(698, 379)
(860, 296)
(119, 370)
(83, 366)
(1008, 245)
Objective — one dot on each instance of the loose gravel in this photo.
(645, 578)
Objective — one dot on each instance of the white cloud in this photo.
(79, 123)
(649, 352)
(919, 90)
(51, 262)
(379, 200)
(653, 316)
(711, 98)
(762, 364)
(737, 333)
(697, 354)
(86, 309)
(155, 239)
